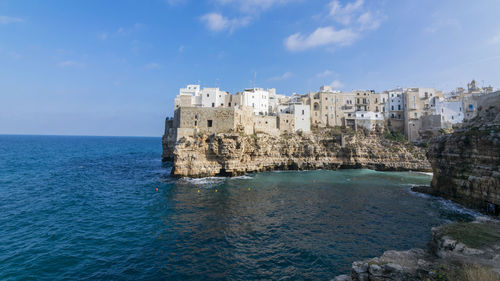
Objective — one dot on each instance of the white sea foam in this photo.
(208, 182)
(448, 204)
(242, 177)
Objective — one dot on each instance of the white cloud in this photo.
(7, 20)
(175, 2)
(70, 63)
(322, 36)
(495, 39)
(284, 76)
(354, 20)
(103, 36)
(344, 14)
(152, 65)
(254, 6)
(336, 84)
(217, 22)
(368, 22)
(443, 23)
(324, 73)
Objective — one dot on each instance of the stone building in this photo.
(296, 117)
(369, 120)
(417, 102)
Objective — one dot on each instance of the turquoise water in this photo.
(87, 208)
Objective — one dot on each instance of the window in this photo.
(392, 107)
(195, 123)
(229, 104)
(392, 95)
(471, 107)
(209, 123)
(415, 115)
(376, 100)
(364, 101)
(362, 115)
(196, 116)
(208, 95)
(399, 107)
(376, 108)
(376, 115)
(303, 112)
(253, 105)
(326, 107)
(392, 115)
(326, 98)
(358, 100)
(221, 104)
(213, 104)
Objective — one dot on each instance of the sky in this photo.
(113, 68)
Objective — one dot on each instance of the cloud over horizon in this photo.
(351, 21)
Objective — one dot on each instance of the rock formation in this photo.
(466, 163)
(448, 257)
(235, 154)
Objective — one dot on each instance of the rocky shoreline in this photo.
(233, 154)
(456, 252)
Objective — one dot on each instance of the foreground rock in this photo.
(466, 163)
(457, 251)
(233, 154)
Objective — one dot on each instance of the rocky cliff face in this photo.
(236, 154)
(466, 163)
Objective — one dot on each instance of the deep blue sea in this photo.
(87, 208)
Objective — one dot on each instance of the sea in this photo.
(106, 208)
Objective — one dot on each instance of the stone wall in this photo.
(266, 124)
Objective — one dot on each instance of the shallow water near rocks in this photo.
(87, 208)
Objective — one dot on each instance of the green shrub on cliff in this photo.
(394, 136)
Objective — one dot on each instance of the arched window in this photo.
(316, 106)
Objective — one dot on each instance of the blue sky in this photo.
(114, 67)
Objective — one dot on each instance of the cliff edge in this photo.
(232, 154)
(466, 163)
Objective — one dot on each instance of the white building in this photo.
(369, 119)
(194, 96)
(212, 97)
(395, 104)
(258, 99)
(302, 117)
(450, 111)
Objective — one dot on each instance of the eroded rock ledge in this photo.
(461, 251)
(232, 154)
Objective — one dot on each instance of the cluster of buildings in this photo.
(418, 113)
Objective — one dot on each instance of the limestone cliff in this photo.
(466, 163)
(235, 154)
